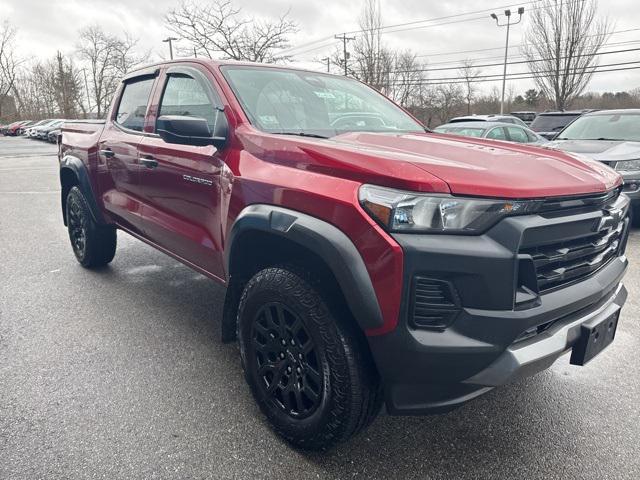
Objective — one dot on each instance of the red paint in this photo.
(314, 176)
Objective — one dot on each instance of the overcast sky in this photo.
(46, 26)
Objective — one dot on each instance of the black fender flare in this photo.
(324, 239)
(80, 171)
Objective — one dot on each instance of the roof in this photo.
(212, 63)
(476, 124)
(566, 112)
(482, 117)
(619, 111)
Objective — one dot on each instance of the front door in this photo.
(181, 183)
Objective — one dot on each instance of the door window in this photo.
(497, 134)
(517, 135)
(185, 96)
(133, 104)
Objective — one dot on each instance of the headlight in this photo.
(628, 165)
(400, 211)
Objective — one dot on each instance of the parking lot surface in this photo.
(120, 373)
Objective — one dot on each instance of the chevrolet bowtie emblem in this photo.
(610, 219)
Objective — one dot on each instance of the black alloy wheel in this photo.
(287, 361)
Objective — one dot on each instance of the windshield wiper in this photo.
(300, 134)
(606, 139)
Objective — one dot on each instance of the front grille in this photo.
(566, 261)
(435, 303)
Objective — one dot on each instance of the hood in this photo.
(602, 150)
(440, 163)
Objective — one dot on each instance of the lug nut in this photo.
(299, 370)
(282, 355)
(283, 341)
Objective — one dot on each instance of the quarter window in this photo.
(133, 104)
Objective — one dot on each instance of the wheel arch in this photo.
(266, 235)
(73, 172)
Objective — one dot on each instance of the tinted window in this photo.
(497, 134)
(291, 101)
(133, 104)
(183, 95)
(517, 135)
(551, 123)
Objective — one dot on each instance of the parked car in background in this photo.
(611, 137)
(42, 132)
(27, 129)
(493, 131)
(15, 127)
(32, 132)
(52, 136)
(526, 116)
(548, 124)
(489, 118)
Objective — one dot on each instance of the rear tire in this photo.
(94, 245)
(308, 367)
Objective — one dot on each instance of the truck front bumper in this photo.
(493, 339)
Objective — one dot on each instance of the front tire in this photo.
(94, 245)
(308, 368)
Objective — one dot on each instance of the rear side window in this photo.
(133, 104)
(497, 134)
(517, 135)
(185, 96)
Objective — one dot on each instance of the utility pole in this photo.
(345, 39)
(170, 40)
(507, 13)
(328, 60)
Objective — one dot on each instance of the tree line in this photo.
(561, 48)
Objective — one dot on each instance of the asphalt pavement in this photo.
(120, 374)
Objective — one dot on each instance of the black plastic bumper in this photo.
(432, 370)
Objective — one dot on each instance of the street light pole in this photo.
(507, 13)
(170, 40)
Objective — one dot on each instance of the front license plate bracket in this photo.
(595, 336)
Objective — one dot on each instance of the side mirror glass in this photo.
(184, 130)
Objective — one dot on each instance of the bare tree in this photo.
(407, 80)
(373, 61)
(446, 99)
(9, 63)
(562, 45)
(107, 58)
(217, 29)
(469, 74)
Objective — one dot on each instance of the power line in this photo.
(514, 76)
(520, 62)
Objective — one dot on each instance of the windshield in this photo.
(551, 123)
(297, 102)
(604, 126)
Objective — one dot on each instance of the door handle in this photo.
(149, 162)
(107, 152)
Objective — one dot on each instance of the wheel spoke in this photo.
(313, 374)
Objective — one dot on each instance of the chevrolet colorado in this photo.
(366, 260)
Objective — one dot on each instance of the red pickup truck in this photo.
(366, 260)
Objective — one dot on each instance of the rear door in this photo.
(118, 164)
(180, 184)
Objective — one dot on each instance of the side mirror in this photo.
(185, 130)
